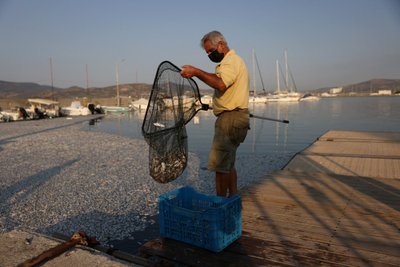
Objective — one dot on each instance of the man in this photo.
(230, 105)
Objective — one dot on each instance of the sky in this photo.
(329, 43)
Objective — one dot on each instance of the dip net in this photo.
(173, 102)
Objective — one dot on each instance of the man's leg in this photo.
(222, 183)
(226, 182)
(233, 183)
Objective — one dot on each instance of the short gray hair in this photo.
(214, 37)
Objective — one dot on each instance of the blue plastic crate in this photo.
(210, 222)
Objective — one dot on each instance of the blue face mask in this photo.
(216, 56)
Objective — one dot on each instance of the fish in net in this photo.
(173, 102)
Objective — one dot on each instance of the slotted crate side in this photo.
(210, 222)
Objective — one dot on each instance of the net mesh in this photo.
(173, 102)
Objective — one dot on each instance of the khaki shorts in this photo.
(230, 130)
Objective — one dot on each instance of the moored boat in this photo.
(140, 104)
(115, 109)
(76, 109)
(42, 108)
(288, 95)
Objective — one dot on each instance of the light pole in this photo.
(117, 78)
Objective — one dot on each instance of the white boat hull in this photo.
(310, 98)
(283, 99)
(258, 100)
(115, 109)
(75, 111)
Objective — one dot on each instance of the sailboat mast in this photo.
(87, 78)
(254, 74)
(87, 82)
(117, 78)
(51, 78)
(277, 77)
(286, 72)
(259, 72)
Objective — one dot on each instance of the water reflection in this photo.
(335, 108)
(384, 110)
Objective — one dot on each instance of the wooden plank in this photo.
(193, 256)
(345, 166)
(291, 177)
(353, 252)
(362, 197)
(355, 136)
(372, 226)
(248, 251)
(365, 201)
(326, 227)
(332, 151)
(355, 150)
(349, 217)
(336, 235)
(296, 246)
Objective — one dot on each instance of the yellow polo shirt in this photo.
(233, 72)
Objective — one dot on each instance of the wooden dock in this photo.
(337, 203)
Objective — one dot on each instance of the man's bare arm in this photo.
(210, 79)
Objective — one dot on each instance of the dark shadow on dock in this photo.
(374, 188)
(152, 231)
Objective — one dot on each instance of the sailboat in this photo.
(254, 98)
(290, 94)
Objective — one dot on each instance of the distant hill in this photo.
(17, 90)
(23, 90)
(136, 90)
(371, 86)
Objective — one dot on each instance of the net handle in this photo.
(258, 117)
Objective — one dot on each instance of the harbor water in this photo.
(308, 120)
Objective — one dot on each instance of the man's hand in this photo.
(188, 71)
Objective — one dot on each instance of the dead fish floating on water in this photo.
(157, 124)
